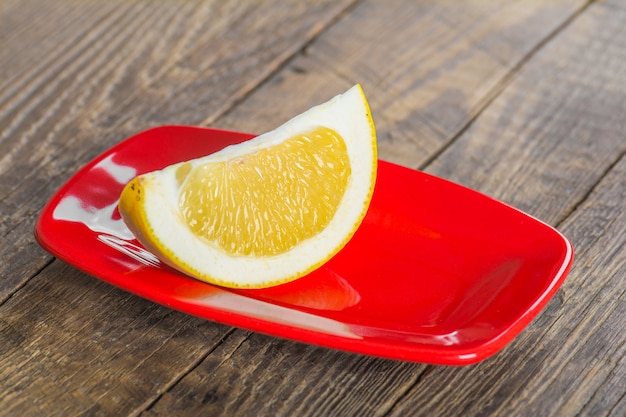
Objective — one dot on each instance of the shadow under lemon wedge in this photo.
(265, 211)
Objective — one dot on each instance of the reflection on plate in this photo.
(437, 273)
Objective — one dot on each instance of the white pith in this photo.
(347, 114)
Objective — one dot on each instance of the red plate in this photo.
(437, 273)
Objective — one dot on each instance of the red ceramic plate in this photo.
(437, 273)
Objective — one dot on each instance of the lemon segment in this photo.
(265, 211)
(265, 203)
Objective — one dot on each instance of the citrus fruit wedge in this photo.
(265, 211)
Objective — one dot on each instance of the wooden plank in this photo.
(65, 348)
(314, 377)
(501, 380)
(125, 68)
(55, 361)
(563, 106)
(571, 360)
(35, 33)
(427, 67)
(557, 128)
(410, 389)
(302, 380)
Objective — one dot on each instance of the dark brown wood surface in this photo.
(523, 101)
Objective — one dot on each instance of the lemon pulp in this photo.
(265, 203)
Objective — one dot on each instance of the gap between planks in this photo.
(501, 85)
(494, 93)
(341, 14)
(287, 60)
(420, 377)
(26, 281)
(585, 196)
(489, 98)
(148, 404)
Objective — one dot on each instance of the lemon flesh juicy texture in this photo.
(268, 210)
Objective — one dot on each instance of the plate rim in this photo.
(434, 355)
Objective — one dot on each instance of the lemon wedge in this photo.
(265, 211)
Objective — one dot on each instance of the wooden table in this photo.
(522, 101)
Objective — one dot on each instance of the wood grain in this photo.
(55, 362)
(561, 152)
(553, 133)
(124, 68)
(429, 391)
(571, 360)
(523, 101)
(427, 68)
(304, 380)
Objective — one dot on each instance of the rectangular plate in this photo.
(437, 273)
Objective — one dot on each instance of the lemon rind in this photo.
(193, 256)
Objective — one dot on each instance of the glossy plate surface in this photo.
(437, 273)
